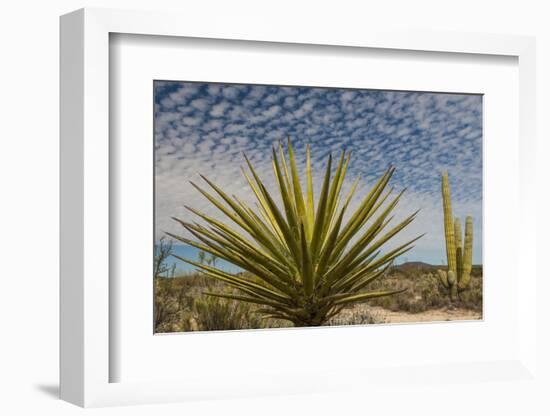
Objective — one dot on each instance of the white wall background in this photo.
(29, 179)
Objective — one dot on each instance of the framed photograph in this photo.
(282, 212)
(290, 242)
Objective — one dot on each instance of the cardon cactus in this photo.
(459, 257)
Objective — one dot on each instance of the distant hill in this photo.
(419, 265)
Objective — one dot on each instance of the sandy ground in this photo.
(381, 315)
(430, 316)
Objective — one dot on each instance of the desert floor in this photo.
(382, 315)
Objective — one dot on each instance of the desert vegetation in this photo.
(309, 264)
(181, 304)
(424, 291)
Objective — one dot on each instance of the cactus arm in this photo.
(448, 222)
(449, 282)
(458, 246)
(467, 254)
(454, 292)
(451, 278)
(443, 277)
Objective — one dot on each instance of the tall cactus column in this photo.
(458, 246)
(467, 256)
(459, 257)
(448, 223)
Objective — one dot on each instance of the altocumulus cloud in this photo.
(205, 128)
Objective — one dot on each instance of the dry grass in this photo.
(181, 306)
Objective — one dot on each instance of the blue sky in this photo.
(205, 127)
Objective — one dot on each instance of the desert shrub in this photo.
(167, 305)
(472, 298)
(362, 316)
(174, 298)
(213, 313)
(181, 306)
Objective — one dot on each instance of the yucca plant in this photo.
(308, 261)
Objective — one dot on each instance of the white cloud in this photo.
(218, 110)
(230, 92)
(200, 104)
(191, 121)
(348, 96)
(188, 148)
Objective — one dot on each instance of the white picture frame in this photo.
(86, 356)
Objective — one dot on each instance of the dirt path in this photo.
(427, 316)
(376, 314)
